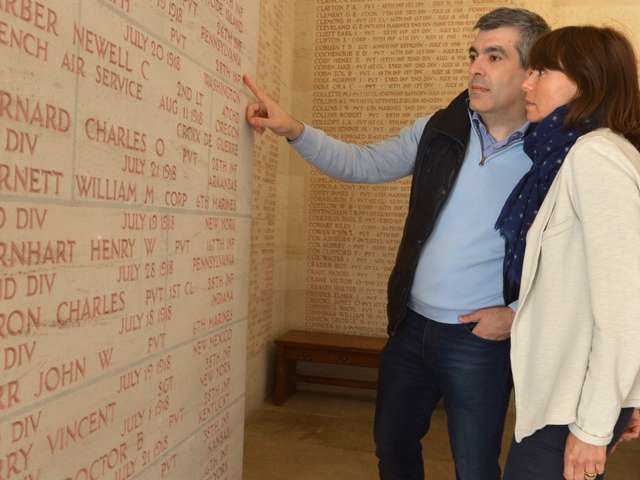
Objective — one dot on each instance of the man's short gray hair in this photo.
(529, 24)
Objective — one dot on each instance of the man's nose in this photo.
(476, 67)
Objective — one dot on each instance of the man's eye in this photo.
(541, 71)
(472, 57)
(494, 58)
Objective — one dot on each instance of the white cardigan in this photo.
(575, 340)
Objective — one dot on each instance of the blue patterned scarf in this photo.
(547, 146)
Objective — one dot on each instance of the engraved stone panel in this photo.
(125, 180)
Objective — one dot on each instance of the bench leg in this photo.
(285, 377)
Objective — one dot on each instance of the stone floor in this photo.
(317, 436)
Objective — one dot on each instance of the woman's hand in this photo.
(583, 460)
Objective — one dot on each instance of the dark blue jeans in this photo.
(423, 362)
(541, 455)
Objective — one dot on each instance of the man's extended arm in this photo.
(375, 163)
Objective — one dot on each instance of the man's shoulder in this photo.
(453, 120)
(420, 123)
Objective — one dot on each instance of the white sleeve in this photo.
(605, 194)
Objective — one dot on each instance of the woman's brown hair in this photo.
(602, 63)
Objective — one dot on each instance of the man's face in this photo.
(495, 73)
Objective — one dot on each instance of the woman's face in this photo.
(546, 90)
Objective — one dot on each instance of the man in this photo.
(448, 323)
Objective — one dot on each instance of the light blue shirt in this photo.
(460, 266)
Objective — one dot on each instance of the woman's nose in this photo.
(528, 83)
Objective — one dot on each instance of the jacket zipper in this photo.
(483, 159)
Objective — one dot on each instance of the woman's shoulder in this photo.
(601, 147)
(606, 138)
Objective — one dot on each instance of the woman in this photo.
(574, 342)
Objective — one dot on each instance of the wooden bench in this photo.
(319, 347)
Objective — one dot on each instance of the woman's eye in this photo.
(541, 71)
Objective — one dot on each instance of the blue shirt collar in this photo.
(489, 144)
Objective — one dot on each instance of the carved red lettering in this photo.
(20, 322)
(119, 83)
(74, 64)
(76, 431)
(35, 13)
(102, 47)
(60, 376)
(17, 356)
(20, 142)
(8, 288)
(101, 466)
(101, 131)
(17, 179)
(9, 395)
(26, 42)
(30, 218)
(26, 427)
(33, 253)
(106, 189)
(32, 112)
(175, 199)
(73, 312)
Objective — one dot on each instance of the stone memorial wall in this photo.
(267, 289)
(125, 193)
(151, 248)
